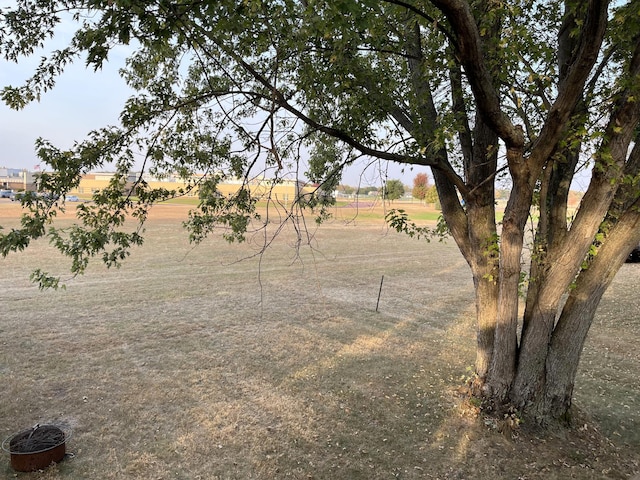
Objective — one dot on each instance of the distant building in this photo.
(283, 190)
(17, 179)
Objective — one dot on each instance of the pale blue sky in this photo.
(80, 102)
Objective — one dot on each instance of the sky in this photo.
(83, 100)
(80, 101)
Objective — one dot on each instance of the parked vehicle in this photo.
(48, 196)
(5, 193)
(71, 198)
(16, 196)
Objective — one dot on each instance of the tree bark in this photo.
(485, 274)
(561, 265)
(577, 315)
(503, 365)
(484, 239)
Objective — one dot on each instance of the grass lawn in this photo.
(222, 362)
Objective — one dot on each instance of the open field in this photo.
(215, 362)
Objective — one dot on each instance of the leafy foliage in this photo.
(393, 190)
(420, 186)
(399, 220)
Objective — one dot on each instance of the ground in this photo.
(216, 362)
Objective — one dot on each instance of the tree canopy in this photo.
(524, 92)
(420, 186)
(393, 189)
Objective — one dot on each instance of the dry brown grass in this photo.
(187, 364)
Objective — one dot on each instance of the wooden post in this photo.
(379, 293)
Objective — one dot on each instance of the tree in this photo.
(431, 196)
(420, 186)
(346, 189)
(393, 190)
(523, 91)
(367, 191)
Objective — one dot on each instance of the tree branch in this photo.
(421, 13)
(571, 85)
(468, 47)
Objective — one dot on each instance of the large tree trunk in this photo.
(484, 268)
(550, 346)
(503, 363)
(475, 234)
(577, 315)
(534, 370)
(483, 237)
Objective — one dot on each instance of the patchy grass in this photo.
(219, 363)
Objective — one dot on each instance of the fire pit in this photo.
(36, 448)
